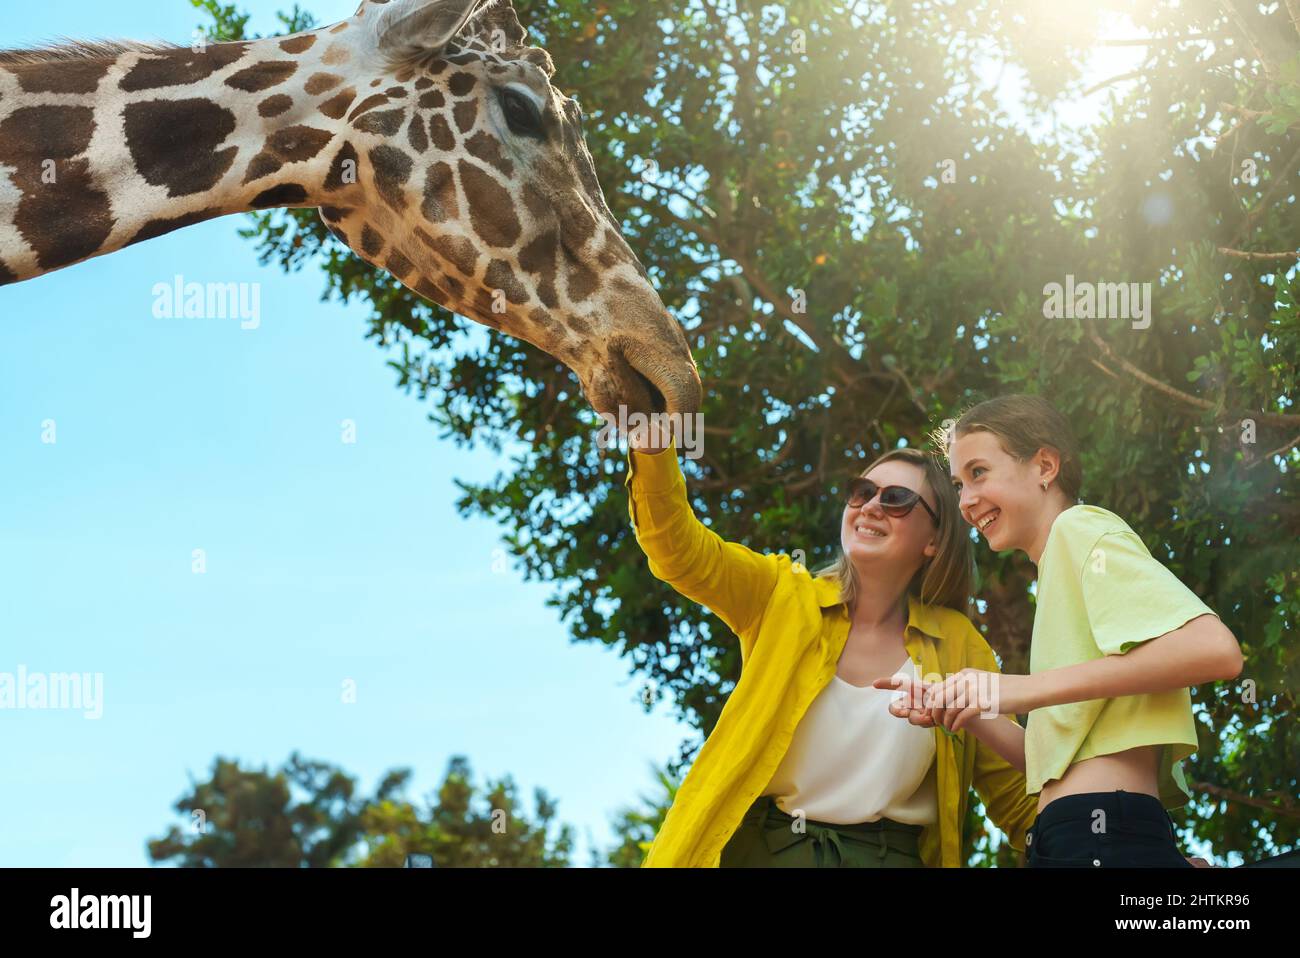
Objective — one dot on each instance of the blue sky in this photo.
(326, 561)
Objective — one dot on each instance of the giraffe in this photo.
(426, 132)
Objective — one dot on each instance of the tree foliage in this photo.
(310, 814)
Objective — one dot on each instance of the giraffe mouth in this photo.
(657, 401)
(639, 392)
(643, 379)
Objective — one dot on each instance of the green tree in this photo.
(636, 826)
(856, 238)
(307, 814)
(1190, 424)
(458, 835)
(310, 814)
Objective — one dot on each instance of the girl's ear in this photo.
(407, 29)
(1047, 464)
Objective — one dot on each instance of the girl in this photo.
(1117, 641)
(805, 765)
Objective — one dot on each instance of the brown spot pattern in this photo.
(491, 208)
(416, 135)
(181, 67)
(440, 194)
(441, 134)
(67, 220)
(582, 281)
(337, 105)
(319, 83)
(298, 44)
(161, 227)
(466, 112)
(289, 194)
(430, 292)
(262, 76)
(383, 123)
(75, 76)
(174, 143)
(539, 255)
(399, 265)
(274, 105)
(488, 149)
(457, 250)
(369, 103)
(336, 54)
(501, 276)
(392, 169)
(334, 181)
(297, 143)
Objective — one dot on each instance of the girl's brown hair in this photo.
(944, 578)
(1023, 424)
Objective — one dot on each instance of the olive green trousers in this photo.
(769, 838)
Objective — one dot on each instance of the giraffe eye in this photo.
(521, 114)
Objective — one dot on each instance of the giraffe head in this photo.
(473, 185)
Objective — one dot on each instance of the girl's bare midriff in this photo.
(1133, 770)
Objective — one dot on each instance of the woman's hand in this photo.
(910, 704)
(651, 438)
(970, 693)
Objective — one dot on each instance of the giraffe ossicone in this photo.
(428, 134)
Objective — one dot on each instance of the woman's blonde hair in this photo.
(945, 578)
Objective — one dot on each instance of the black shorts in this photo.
(1104, 830)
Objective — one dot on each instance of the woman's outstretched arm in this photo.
(733, 581)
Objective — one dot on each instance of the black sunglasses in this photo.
(896, 501)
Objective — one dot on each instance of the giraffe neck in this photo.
(101, 151)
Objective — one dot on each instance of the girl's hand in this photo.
(909, 705)
(970, 693)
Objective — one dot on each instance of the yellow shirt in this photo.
(792, 629)
(1100, 592)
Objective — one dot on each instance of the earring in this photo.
(1044, 485)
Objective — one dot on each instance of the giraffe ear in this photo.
(497, 25)
(410, 28)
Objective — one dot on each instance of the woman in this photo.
(805, 765)
(1117, 642)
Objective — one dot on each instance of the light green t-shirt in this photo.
(1100, 592)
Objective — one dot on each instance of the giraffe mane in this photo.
(66, 50)
(490, 14)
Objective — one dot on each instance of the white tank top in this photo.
(850, 761)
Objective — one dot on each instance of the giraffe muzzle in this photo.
(657, 377)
